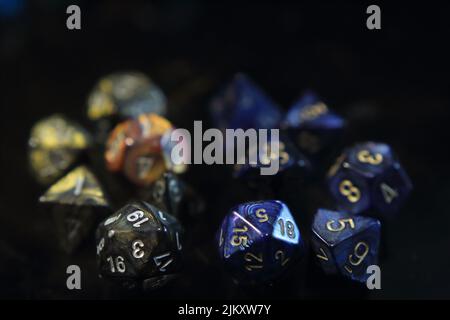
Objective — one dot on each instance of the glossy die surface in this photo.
(77, 201)
(127, 95)
(369, 175)
(345, 244)
(258, 241)
(241, 104)
(54, 145)
(137, 149)
(311, 124)
(139, 245)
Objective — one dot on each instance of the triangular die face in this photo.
(285, 229)
(78, 187)
(284, 254)
(240, 232)
(259, 215)
(135, 218)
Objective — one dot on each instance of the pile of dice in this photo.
(141, 244)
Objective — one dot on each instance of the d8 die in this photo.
(139, 246)
(137, 149)
(368, 175)
(54, 146)
(77, 202)
(345, 244)
(258, 241)
(312, 125)
(241, 104)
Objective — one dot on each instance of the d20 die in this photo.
(139, 246)
(259, 241)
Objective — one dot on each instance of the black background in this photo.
(391, 84)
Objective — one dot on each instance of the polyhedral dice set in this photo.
(140, 241)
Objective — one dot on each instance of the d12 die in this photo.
(77, 202)
(139, 246)
(258, 241)
(137, 149)
(368, 175)
(345, 244)
(312, 125)
(241, 104)
(54, 145)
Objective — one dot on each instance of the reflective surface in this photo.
(139, 246)
(259, 241)
(345, 244)
(368, 175)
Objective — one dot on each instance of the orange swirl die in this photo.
(134, 148)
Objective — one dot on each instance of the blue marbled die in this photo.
(242, 104)
(311, 124)
(259, 241)
(369, 175)
(345, 244)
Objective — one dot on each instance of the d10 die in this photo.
(137, 148)
(54, 145)
(241, 104)
(368, 175)
(345, 244)
(77, 202)
(312, 125)
(139, 246)
(258, 241)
